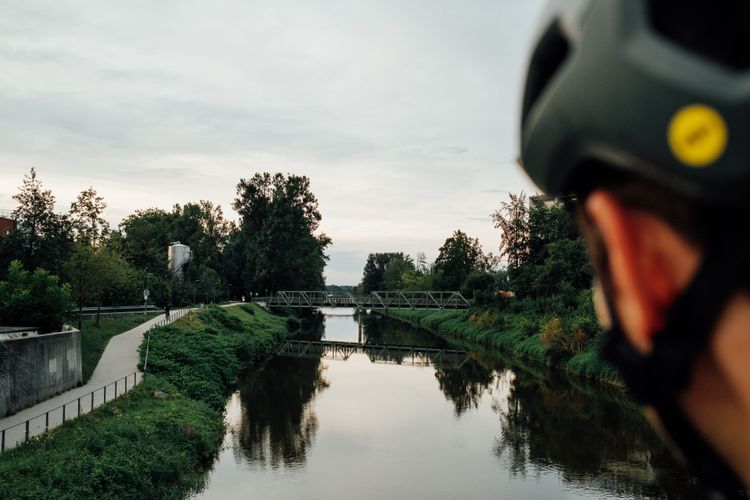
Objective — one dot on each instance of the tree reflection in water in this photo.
(595, 438)
(380, 330)
(281, 427)
(466, 385)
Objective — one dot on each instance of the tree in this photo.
(459, 256)
(144, 237)
(86, 217)
(203, 228)
(43, 238)
(279, 216)
(372, 276)
(512, 218)
(33, 299)
(422, 266)
(96, 274)
(546, 254)
(397, 266)
(385, 271)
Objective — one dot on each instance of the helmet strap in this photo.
(657, 378)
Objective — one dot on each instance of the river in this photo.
(487, 429)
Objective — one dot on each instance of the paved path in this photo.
(120, 358)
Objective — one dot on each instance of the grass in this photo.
(202, 354)
(158, 440)
(94, 339)
(520, 334)
(138, 446)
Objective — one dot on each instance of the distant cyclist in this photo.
(640, 112)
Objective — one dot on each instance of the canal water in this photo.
(334, 429)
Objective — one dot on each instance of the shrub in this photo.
(33, 299)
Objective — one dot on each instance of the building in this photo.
(7, 224)
(178, 255)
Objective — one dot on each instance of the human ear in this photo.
(642, 252)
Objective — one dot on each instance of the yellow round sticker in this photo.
(697, 135)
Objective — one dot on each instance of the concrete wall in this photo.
(35, 368)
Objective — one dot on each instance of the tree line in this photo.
(542, 287)
(461, 265)
(77, 258)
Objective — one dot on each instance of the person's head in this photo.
(640, 109)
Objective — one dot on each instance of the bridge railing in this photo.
(378, 299)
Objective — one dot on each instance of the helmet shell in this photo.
(603, 84)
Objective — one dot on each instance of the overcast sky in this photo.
(402, 113)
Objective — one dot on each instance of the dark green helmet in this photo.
(660, 89)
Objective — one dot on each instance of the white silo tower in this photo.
(178, 255)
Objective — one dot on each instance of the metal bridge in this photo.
(399, 355)
(376, 300)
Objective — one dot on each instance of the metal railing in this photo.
(377, 299)
(12, 436)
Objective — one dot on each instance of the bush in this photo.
(33, 299)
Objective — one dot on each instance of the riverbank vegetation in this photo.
(151, 443)
(202, 354)
(157, 440)
(539, 306)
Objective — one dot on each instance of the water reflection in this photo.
(596, 442)
(278, 423)
(324, 429)
(379, 330)
(465, 386)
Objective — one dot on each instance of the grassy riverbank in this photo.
(523, 336)
(156, 441)
(203, 353)
(94, 338)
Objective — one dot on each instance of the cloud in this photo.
(403, 114)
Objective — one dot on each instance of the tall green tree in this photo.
(279, 217)
(43, 237)
(545, 252)
(512, 218)
(96, 275)
(386, 271)
(87, 217)
(459, 256)
(144, 237)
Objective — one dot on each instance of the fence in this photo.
(12, 436)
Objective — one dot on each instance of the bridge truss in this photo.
(399, 355)
(384, 300)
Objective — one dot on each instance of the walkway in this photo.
(120, 359)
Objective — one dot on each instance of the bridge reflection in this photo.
(399, 355)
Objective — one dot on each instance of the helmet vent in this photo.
(718, 32)
(547, 58)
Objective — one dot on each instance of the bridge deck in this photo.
(401, 355)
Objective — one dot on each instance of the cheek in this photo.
(600, 305)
